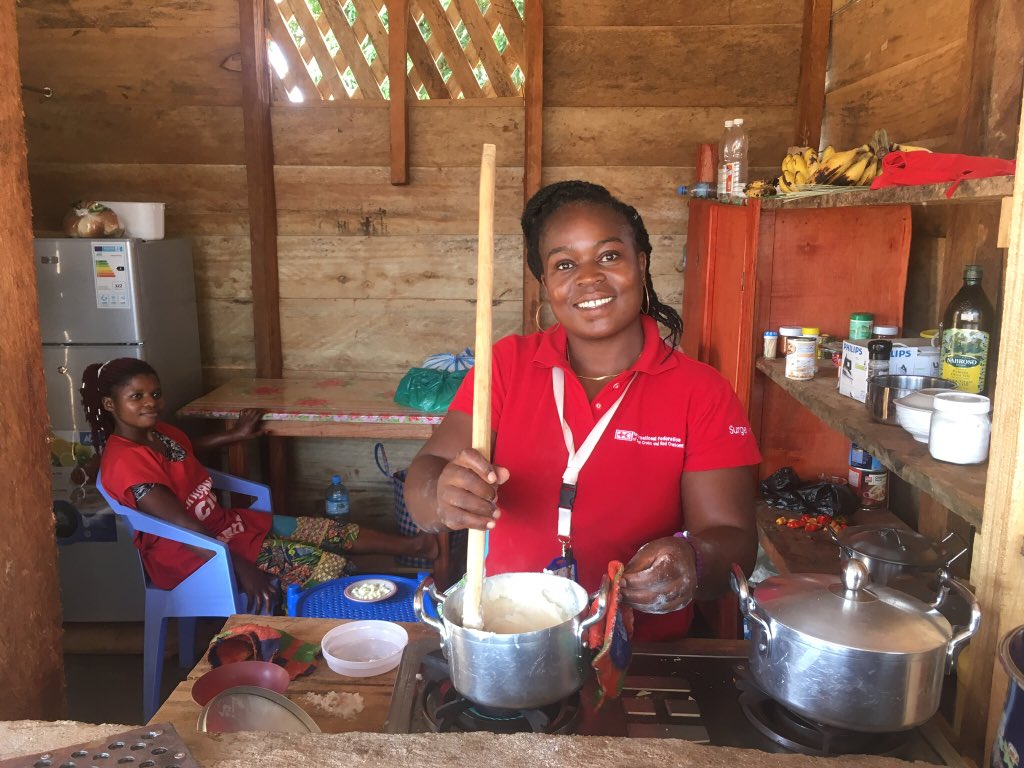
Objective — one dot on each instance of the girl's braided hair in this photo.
(99, 381)
(549, 199)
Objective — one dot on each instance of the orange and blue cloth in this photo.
(255, 642)
(611, 636)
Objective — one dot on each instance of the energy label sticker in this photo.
(110, 273)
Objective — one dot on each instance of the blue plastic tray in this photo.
(328, 601)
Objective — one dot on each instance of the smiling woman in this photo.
(606, 440)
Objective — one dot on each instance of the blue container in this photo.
(1009, 744)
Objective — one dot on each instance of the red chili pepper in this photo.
(794, 524)
(811, 527)
(822, 519)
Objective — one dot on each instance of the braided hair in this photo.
(549, 199)
(99, 381)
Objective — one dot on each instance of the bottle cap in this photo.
(810, 331)
(879, 349)
(972, 272)
(728, 123)
(681, 190)
(737, 121)
(335, 479)
(886, 330)
(770, 333)
(862, 316)
(791, 330)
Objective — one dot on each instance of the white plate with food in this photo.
(370, 590)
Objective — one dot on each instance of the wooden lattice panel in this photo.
(338, 49)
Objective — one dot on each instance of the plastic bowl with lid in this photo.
(364, 648)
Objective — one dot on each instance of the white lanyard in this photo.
(576, 458)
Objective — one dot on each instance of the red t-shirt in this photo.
(678, 416)
(126, 464)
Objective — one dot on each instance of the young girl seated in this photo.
(150, 466)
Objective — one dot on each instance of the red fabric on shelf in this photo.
(911, 168)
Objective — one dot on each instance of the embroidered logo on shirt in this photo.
(656, 441)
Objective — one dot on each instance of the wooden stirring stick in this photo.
(472, 616)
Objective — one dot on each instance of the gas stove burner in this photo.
(448, 710)
(808, 737)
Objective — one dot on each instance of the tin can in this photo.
(786, 334)
(871, 486)
(800, 362)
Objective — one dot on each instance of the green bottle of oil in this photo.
(966, 329)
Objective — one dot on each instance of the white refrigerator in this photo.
(101, 299)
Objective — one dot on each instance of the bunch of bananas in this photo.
(798, 168)
(762, 188)
(852, 167)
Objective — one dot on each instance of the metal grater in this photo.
(154, 746)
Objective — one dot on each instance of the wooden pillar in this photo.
(533, 90)
(30, 644)
(810, 96)
(998, 569)
(259, 175)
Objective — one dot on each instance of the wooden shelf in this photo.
(960, 488)
(969, 191)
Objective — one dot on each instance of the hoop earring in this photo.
(536, 318)
(647, 300)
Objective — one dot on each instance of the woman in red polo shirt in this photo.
(150, 466)
(608, 443)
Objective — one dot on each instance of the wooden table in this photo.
(183, 712)
(353, 405)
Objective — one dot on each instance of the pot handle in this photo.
(964, 634)
(428, 586)
(748, 605)
(602, 607)
(962, 544)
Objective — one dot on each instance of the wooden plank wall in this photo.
(372, 276)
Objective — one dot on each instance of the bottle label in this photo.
(964, 357)
(730, 178)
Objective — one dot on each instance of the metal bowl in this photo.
(882, 390)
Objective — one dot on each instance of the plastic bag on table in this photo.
(428, 389)
(785, 490)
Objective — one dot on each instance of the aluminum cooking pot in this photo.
(888, 551)
(848, 653)
(520, 670)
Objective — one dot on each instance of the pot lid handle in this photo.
(855, 575)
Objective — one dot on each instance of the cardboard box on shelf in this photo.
(909, 357)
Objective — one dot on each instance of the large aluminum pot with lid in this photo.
(850, 654)
(500, 667)
(889, 552)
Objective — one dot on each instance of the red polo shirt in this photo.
(678, 416)
(126, 464)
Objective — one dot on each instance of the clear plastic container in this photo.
(336, 504)
(734, 160)
(722, 170)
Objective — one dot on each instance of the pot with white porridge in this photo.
(531, 651)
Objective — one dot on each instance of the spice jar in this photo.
(860, 325)
(879, 352)
(960, 427)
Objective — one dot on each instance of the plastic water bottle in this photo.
(723, 171)
(735, 160)
(336, 500)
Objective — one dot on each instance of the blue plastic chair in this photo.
(328, 601)
(209, 591)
